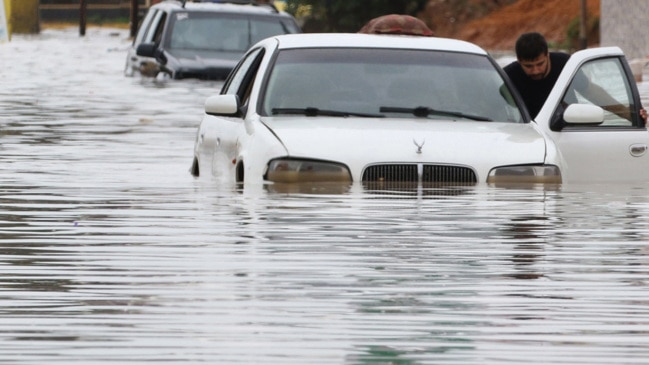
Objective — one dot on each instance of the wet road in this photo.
(110, 252)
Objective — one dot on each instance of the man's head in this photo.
(532, 55)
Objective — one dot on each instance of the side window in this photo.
(154, 33)
(241, 80)
(604, 83)
(145, 26)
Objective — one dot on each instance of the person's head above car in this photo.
(532, 54)
(397, 24)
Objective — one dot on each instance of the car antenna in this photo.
(184, 1)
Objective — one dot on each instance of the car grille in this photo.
(415, 173)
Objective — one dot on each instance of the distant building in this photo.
(625, 23)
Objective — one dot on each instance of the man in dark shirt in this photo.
(536, 70)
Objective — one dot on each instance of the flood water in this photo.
(112, 253)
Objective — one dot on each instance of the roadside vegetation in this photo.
(491, 24)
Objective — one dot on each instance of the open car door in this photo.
(593, 117)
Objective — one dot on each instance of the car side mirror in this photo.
(146, 50)
(151, 50)
(224, 105)
(583, 114)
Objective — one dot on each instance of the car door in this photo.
(614, 150)
(150, 32)
(132, 59)
(219, 135)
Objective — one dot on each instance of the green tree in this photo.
(349, 15)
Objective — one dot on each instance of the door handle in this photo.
(638, 150)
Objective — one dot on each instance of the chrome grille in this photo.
(448, 174)
(424, 173)
(392, 173)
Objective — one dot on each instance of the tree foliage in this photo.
(348, 15)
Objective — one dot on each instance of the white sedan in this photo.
(385, 110)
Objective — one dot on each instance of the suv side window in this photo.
(604, 82)
(154, 34)
(145, 26)
(241, 80)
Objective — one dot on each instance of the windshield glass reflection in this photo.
(366, 81)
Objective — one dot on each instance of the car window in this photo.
(389, 82)
(208, 31)
(241, 80)
(261, 28)
(604, 83)
(215, 31)
(145, 26)
(158, 26)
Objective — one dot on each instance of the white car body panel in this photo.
(368, 141)
(222, 142)
(362, 141)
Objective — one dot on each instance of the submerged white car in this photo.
(381, 110)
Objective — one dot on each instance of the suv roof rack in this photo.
(268, 3)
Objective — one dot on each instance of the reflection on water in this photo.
(110, 252)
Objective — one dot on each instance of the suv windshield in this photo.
(214, 31)
(388, 83)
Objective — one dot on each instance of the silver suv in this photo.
(202, 40)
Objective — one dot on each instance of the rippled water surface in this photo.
(110, 252)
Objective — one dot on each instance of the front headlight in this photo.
(286, 170)
(525, 174)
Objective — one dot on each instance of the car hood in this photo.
(371, 140)
(201, 64)
(205, 58)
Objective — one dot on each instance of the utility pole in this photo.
(82, 17)
(583, 34)
(134, 17)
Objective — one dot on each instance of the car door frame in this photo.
(219, 136)
(148, 30)
(596, 154)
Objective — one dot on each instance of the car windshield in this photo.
(388, 83)
(214, 31)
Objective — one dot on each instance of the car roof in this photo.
(357, 40)
(235, 8)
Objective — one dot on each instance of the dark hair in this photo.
(529, 46)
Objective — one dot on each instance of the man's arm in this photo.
(599, 96)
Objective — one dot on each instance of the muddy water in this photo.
(111, 253)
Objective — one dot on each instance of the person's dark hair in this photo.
(529, 46)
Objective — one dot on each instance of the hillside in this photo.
(495, 24)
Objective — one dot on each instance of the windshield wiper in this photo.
(423, 111)
(314, 112)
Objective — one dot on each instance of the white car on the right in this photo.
(598, 141)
